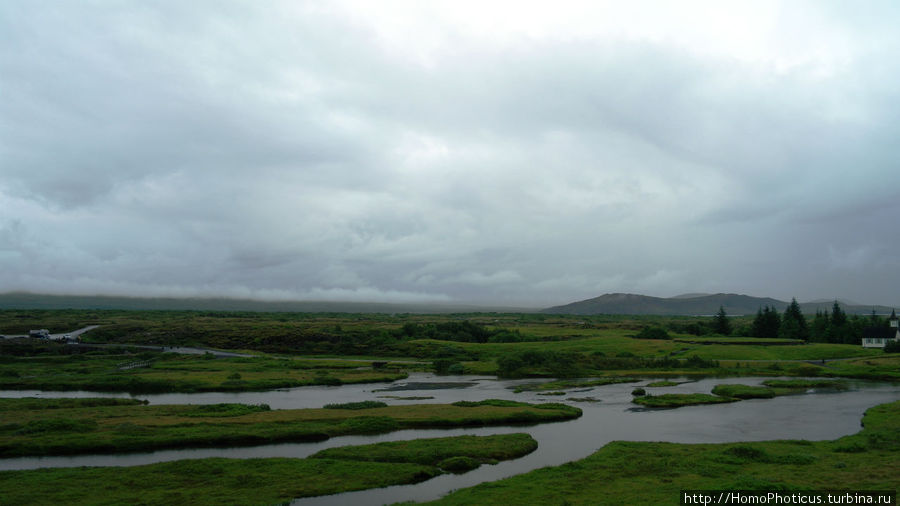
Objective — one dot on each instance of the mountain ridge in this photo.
(699, 304)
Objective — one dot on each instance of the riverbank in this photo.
(262, 481)
(656, 473)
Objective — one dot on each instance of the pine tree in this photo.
(838, 316)
(793, 324)
(820, 327)
(766, 323)
(721, 324)
(757, 328)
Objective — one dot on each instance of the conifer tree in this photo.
(766, 323)
(793, 324)
(838, 316)
(721, 323)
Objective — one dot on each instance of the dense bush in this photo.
(568, 365)
(357, 405)
(226, 410)
(653, 333)
(57, 425)
(459, 464)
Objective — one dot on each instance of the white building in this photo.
(877, 337)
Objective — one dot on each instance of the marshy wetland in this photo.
(256, 429)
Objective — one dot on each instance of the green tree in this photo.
(793, 323)
(838, 316)
(838, 327)
(821, 325)
(721, 323)
(766, 323)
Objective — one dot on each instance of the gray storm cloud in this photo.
(449, 153)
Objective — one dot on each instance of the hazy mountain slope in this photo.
(734, 304)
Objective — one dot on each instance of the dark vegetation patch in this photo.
(34, 403)
(357, 405)
(426, 386)
(744, 391)
(664, 383)
(411, 398)
(225, 410)
(677, 400)
(806, 384)
(653, 333)
(567, 384)
(458, 465)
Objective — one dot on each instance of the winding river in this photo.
(816, 415)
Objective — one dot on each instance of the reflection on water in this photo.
(814, 416)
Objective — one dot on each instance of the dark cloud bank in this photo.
(321, 152)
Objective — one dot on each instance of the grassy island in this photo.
(29, 427)
(678, 400)
(217, 481)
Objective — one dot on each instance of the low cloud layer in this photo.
(450, 152)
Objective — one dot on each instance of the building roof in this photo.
(879, 333)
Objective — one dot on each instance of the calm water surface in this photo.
(816, 415)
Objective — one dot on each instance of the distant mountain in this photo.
(21, 300)
(842, 302)
(690, 304)
(611, 303)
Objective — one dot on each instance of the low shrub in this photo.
(489, 402)
(458, 465)
(357, 405)
(744, 391)
(653, 333)
(225, 410)
(748, 453)
(456, 369)
(57, 425)
(370, 424)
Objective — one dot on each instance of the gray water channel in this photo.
(816, 415)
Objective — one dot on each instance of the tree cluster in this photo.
(766, 323)
(837, 327)
(792, 325)
(826, 327)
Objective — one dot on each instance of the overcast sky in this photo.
(507, 153)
